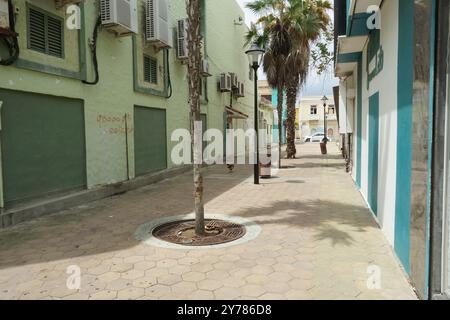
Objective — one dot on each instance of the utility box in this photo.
(4, 14)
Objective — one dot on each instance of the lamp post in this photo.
(324, 100)
(255, 54)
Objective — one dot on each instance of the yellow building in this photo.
(310, 117)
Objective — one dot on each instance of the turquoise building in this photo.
(284, 117)
(392, 58)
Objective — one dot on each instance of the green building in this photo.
(62, 138)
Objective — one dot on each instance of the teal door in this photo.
(373, 151)
(150, 140)
(43, 145)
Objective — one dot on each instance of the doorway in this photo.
(373, 151)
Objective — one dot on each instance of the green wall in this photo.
(112, 100)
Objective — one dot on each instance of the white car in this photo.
(317, 137)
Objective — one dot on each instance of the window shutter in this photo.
(150, 70)
(36, 33)
(54, 37)
(45, 33)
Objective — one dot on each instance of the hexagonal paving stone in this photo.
(260, 269)
(119, 284)
(184, 287)
(157, 291)
(121, 267)
(253, 290)
(144, 265)
(217, 275)
(169, 279)
(179, 269)
(109, 276)
(209, 284)
(193, 276)
(257, 279)
(104, 295)
(227, 293)
(130, 293)
(133, 259)
(188, 261)
(166, 263)
(132, 274)
(201, 295)
(145, 282)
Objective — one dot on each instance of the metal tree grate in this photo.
(182, 232)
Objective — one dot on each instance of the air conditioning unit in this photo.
(234, 80)
(241, 90)
(182, 49)
(119, 16)
(4, 14)
(205, 68)
(62, 3)
(225, 82)
(157, 23)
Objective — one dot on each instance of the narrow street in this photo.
(318, 240)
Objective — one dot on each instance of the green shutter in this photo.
(150, 70)
(45, 33)
(36, 30)
(54, 37)
(43, 145)
(150, 140)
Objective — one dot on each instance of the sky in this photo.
(316, 85)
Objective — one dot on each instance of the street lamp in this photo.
(255, 54)
(324, 100)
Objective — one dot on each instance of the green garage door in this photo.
(150, 140)
(43, 145)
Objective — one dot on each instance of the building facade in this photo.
(266, 92)
(311, 118)
(61, 135)
(392, 58)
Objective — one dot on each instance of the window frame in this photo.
(46, 14)
(146, 56)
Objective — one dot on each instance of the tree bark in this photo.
(280, 121)
(291, 98)
(194, 66)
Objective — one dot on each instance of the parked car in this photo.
(317, 137)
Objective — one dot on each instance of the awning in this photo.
(235, 114)
(348, 51)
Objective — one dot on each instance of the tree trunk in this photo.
(280, 121)
(194, 66)
(291, 98)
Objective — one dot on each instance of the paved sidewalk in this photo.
(318, 241)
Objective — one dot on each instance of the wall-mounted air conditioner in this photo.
(62, 3)
(157, 22)
(182, 49)
(240, 92)
(234, 80)
(119, 16)
(225, 82)
(205, 68)
(4, 14)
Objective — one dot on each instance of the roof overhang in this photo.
(235, 114)
(349, 51)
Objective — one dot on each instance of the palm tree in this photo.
(194, 44)
(309, 19)
(286, 28)
(271, 33)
